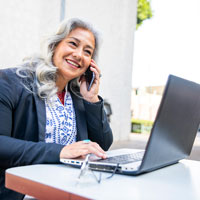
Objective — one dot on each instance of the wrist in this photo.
(92, 99)
(62, 153)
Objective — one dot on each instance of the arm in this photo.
(14, 150)
(98, 127)
(99, 130)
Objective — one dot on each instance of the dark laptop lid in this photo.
(176, 125)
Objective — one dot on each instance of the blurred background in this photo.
(142, 43)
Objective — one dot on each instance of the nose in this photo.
(77, 54)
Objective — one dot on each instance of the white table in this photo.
(179, 181)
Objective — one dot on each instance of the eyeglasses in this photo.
(86, 168)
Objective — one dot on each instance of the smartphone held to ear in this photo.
(89, 77)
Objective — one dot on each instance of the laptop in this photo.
(171, 139)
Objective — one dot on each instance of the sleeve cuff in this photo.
(100, 102)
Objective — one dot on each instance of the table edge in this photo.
(38, 190)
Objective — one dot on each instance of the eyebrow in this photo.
(88, 46)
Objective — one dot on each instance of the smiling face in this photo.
(73, 55)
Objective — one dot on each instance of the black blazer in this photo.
(22, 127)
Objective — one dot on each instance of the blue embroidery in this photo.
(60, 121)
(48, 135)
(60, 108)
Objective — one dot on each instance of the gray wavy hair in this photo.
(41, 66)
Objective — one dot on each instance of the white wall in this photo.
(23, 22)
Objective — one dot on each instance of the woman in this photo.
(46, 111)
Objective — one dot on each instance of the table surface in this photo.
(179, 181)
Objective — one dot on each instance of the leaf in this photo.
(143, 12)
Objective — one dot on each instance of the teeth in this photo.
(69, 61)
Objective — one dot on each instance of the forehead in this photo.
(83, 35)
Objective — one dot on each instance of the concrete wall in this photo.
(24, 22)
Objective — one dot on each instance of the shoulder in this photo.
(8, 78)
(11, 86)
(5, 73)
(17, 77)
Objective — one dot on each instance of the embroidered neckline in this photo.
(60, 121)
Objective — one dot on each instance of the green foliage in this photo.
(141, 121)
(141, 126)
(143, 11)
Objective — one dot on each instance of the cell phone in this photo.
(89, 77)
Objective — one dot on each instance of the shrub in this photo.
(141, 126)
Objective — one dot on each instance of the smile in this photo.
(74, 64)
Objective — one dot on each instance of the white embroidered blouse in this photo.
(60, 121)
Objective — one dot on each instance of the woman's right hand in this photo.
(82, 148)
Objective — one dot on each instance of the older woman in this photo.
(46, 111)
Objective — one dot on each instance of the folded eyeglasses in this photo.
(85, 167)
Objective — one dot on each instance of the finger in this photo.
(98, 147)
(84, 152)
(96, 73)
(81, 149)
(94, 148)
(95, 151)
(93, 64)
(97, 69)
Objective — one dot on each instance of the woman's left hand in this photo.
(92, 94)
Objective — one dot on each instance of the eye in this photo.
(73, 43)
(88, 52)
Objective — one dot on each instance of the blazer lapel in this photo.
(41, 116)
(80, 118)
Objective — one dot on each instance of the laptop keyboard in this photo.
(124, 159)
